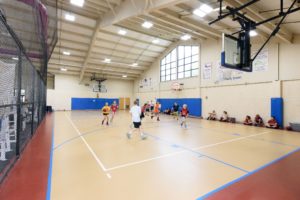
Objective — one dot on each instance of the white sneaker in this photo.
(128, 135)
(143, 137)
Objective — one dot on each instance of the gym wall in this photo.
(68, 87)
(248, 95)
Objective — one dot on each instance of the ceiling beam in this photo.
(131, 8)
(93, 40)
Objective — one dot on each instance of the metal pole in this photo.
(19, 104)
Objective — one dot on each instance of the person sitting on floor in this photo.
(167, 111)
(248, 121)
(224, 117)
(212, 115)
(272, 123)
(258, 121)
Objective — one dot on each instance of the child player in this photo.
(136, 112)
(114, 107)
(156, 111)
(184, 114)
(105, 111)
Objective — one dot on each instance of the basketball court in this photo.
(149, 99)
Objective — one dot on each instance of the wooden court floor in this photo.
(96, 162)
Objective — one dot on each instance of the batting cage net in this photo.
(28, 34)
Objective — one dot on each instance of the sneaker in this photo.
(151, 117)
(158, 119)
(143, 137)
(128, 135)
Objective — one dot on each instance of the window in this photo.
(181, 62)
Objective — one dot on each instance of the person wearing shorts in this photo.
(136, 112)
(184, 115)
(175, 110)
(114, 107)
(105, 112)
(156, 111)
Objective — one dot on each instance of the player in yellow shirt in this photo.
(105, 111)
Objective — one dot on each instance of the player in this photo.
(105, 111)
(143, 111)
(156, 111)
(136, 112)
(175, 110)
(184, 115)
(114, 107)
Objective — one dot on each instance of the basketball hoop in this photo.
(176, 86)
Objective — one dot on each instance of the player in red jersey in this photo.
(114, 107)
(184, 114)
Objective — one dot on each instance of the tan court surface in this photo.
(95, 162)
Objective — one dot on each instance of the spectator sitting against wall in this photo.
(248, 121)
(258, 121)
(224, 117)
(167, 111)
(272, 123)
(212, 115)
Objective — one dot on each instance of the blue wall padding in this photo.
(194, 104)
(277, 110)
(90, 103)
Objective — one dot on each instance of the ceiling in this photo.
(93, 36)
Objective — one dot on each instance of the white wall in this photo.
(248, 95)
(67, 87)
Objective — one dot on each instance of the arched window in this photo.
(181, 62)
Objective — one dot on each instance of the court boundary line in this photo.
(245, 176)
(186, 150)
(50, 170)
(98, 161)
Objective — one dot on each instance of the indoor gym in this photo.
(61, 61)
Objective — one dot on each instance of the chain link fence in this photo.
(27, 38)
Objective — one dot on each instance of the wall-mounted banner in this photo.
(207, 71)
(261, 62)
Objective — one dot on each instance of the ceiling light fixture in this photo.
(155, 41)
(122, 32)
(147, 24)
(77, 2)
(15, 58)
(253, 33)
(185, 37)
(206, 8)
(63, 69)
(67, 53)
(124, 76)
(199, 13)
(134, 64)
(107, 60)
(70, 17)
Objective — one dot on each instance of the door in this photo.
(122, 104)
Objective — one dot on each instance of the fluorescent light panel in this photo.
(253, 33)
(70, 17)
(134, 64)
(185, 37)
(206, 8)
(147, 24)
(155, 41)
(63, 69)
(199, 13)
(77, 2)
(67, 53)
(15, 58)
(107, 60)
(122, 32)
(124, 76)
